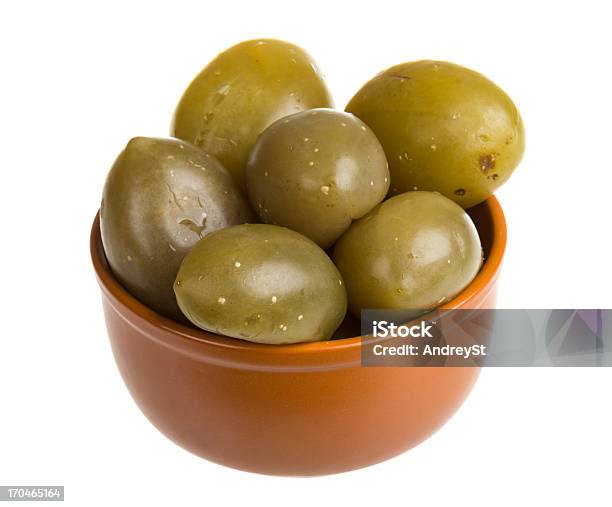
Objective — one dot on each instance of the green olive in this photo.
(162, 196)
(241, 92)
(261, 283)
(444, 128)
(412, 252)
(315, 172)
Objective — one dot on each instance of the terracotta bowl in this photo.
(305, 409)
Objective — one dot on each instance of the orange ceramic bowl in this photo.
(304, 409)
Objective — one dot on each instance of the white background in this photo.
(78, 80)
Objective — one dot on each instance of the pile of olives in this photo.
(268, 213)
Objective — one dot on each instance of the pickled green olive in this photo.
(412, 252)
(261, 283)
(444, 128)
(162, 196)
(241, 92)
(315, 172)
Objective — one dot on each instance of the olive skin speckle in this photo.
(160, 198)
(285, 280)
(242, 91)
(463, 111)
(317, 191)
(408, 253)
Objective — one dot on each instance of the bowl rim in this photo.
(159, 325)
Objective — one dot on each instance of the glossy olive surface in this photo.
(315, 172)
(241, 92)
(414, 251)
(444, 128)
(162, 196)
(261, 283)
